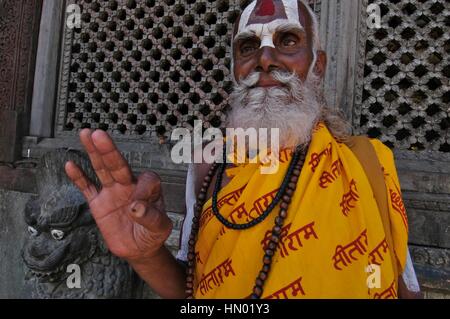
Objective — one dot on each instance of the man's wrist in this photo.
(147, 258)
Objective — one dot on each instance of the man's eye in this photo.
(289, 42)
(248, 48)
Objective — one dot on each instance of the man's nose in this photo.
(267, 61)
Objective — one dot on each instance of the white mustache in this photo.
(246, 90)
(285, 78)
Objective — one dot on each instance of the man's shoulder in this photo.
(382, 150)
(360, 145)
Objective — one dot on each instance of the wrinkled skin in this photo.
(293, 51)
(130, 213)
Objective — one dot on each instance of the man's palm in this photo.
(130, 214)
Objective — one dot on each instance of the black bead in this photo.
(275, 238)
(269, 252)
(279, 221)
(292, 186)
(276, 230)
(259, 282)
(263, 275)
(257, 291)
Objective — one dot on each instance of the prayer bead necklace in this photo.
(284, 195)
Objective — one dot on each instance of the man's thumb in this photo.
(147, 215)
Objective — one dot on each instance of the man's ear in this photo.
(321, 63)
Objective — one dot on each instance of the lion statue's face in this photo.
(61, 232)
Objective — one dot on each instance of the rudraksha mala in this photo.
(283, 196)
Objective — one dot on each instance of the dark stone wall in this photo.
(12, 230)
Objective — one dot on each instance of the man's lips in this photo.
(267, 82)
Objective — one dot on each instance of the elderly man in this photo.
(313, 229)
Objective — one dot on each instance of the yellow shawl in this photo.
(332, 233)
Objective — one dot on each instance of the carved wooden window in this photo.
(406, 93)
(142, 68)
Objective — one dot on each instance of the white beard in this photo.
(294, 108)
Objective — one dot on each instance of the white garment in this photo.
(409, 275)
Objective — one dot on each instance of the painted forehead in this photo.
(269, 12)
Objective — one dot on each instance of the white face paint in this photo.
(266, 31)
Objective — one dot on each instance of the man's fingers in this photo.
(112, 160)
(96, 159)
(148, 188)
(81, 181)
(147, 206)
(149, 216)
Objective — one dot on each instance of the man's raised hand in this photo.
(130, 213)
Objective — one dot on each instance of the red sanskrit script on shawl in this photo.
(349, 199)
(389, 293)
(215, 278)
(258, 208)
(397, 205)
(316, 157)
(376, 255)
(228, 199)
(285, 155)
(290, 241)
(345, 254)
(328, 177)
(291, 290)
(197, 258)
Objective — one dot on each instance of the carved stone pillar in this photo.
(341, 25)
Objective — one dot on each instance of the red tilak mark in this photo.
(266, 8)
